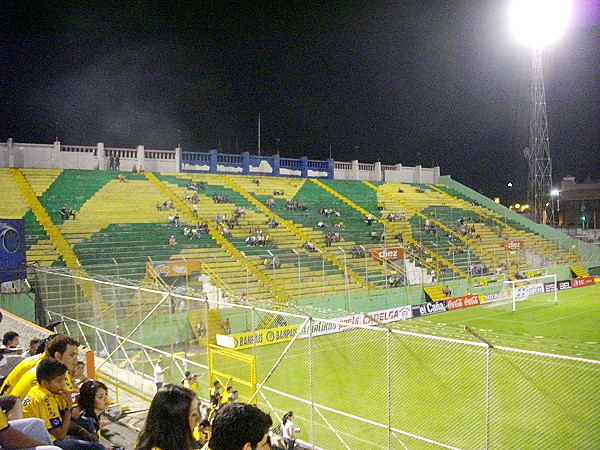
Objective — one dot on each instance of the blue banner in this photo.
(12, 250)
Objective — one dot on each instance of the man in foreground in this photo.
(238, 426)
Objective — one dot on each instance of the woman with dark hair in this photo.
(289, 430)
(93, 399)
(171, 420)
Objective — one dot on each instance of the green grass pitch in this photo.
(438, 390)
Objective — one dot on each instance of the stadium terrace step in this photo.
(187, 217)
(434, 293)
(579, 272)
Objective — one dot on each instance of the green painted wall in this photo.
(22, 305)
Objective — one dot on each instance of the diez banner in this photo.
(514, 245)
(392, 253)
(463, 302)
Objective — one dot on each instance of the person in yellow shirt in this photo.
(15, 375)
(62, 348)
(49, 401)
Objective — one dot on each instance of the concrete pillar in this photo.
(101, 159)
(177, 167)
(355, 169)
(378, 174)
(213, 166)
(140, 156)
(417, 174)
(436, 174)
(56, 163)
(330, 168)
(304, 167)
(276, 165)
(246, 163)
(11, 152)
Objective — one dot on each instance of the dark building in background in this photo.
(578, 204)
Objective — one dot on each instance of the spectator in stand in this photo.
(172, 240)
(141, 170)
(203, 432)
(134, 170)
(159, 373)
(93, 400)
(10, 339)
(24, 434)
(50, 402)
(446, 291)
(62, 348)
(122, 178)
(117, 163)
(64, 213)
(111, 163)
(289, 430)
(173, 415)
(227, 326)
(32, 350)
(238, 426)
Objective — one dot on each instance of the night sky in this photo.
(413, 82)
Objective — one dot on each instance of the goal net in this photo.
(239, 368)
(541, 289)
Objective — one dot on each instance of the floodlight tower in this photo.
(537, 23)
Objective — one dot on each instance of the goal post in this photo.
(523, 289)
(226, 364)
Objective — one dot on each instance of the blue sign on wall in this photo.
(12, 250)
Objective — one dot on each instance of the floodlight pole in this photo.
(538, 154)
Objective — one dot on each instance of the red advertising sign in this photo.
(514, 245)
(463, 302)
(579, 282)
(392, 253)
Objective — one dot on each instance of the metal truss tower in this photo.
(540, 165)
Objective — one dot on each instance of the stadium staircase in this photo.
(284, 275)
(212, 321)
(434, 293)
(385, 266)
(39, 247)
(412, 207)
(300, 233)
(579, 272)
(57, 238)
(507, 228)
(171, 192)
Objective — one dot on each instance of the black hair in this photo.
(236, 424)
(167, 424)
(48, 369)
(9, 336)
(205, 423)
(87, 397)
(286, 416)
(34, 341)
(216, 382)
(41, 348)
(59, 344)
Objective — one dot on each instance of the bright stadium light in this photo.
(539, 22)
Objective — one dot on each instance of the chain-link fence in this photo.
(351, 384)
